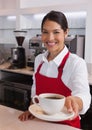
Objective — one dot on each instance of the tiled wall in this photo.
(5, 51)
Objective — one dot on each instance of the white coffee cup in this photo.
(50, 103)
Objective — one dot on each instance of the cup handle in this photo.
(35, 100)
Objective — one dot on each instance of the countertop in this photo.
(9, 121)
(27, 70)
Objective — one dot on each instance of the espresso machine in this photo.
(18, 53)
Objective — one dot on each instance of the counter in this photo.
(27, 70)
(9, 121)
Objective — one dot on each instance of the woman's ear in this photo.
(66, 33)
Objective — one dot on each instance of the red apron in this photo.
(46, 84)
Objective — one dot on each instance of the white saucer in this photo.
(61, 116)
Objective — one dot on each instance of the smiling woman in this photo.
(59, 71)
(54, 32)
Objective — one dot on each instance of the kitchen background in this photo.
(76, 22)
(27, 15)
(15, 88)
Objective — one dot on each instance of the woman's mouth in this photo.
(51, 43)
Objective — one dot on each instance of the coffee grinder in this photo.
(18, 53)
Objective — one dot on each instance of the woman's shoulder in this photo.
(75, 58)
(39, 57)
(38, 60)
(75, 64)
(75, 61)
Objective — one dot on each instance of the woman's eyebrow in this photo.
(52, 30)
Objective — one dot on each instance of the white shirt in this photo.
(75, 75)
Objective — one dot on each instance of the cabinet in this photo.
(15, 89)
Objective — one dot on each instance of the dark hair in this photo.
(57, 17)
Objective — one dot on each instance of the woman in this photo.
(59, 71)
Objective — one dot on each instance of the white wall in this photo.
(4, 4)
(88, 46)
(42, 3)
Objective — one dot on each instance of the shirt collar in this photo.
(58, 59)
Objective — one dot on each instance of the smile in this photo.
(51, 43)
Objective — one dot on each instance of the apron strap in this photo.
(60, 68)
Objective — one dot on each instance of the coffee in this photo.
(46, 100)
(54, 97)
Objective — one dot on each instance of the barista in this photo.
(59, 71)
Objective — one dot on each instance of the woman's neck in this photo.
(52, 55)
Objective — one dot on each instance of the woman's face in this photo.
(53, 36)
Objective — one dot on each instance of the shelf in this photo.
(3, 29)
(32, 29)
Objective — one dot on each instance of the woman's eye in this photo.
(56, 32)
(44, 32)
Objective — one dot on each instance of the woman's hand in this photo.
(73, 104)
(25, 116)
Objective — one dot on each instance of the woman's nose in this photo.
(50, 36)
